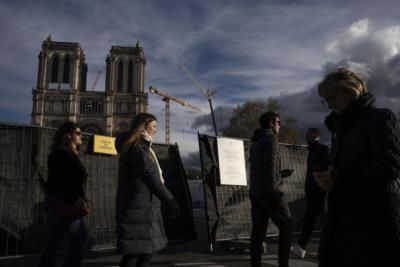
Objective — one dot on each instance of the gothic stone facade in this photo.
(61, 94)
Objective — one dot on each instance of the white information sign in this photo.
(232, 168)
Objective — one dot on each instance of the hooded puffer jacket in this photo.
(140, 228)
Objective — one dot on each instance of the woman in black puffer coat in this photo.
(141, 189)
(363, 217)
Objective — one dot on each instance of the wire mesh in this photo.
(228, 206)
(23, 163)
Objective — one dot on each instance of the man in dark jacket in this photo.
(317, 160)
(266, 196)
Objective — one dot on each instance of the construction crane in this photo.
(95, 80)
(209, 92)
(166, 99)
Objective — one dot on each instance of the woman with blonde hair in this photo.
(141, 189)
(362, 225)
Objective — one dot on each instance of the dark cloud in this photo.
(375, 59)
(222, 115)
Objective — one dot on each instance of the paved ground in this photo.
(233, 254)
(192, 254)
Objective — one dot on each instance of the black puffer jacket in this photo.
(140, 191)
(363, 219)
(265, 169)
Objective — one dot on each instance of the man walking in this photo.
(266, 196)
(317, 160)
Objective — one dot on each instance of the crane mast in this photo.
(96, 80)
(207, 93)
(166, 98)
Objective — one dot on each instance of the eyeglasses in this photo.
(78, 133)
(277, 122)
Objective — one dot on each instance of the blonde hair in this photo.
(139, 125)
(345, 80)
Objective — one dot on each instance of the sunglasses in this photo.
(78, 133)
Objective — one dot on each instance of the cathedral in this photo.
(61, 91)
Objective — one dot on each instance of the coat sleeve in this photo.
(270, 166)
(383, 165)
(385, 149)
(147, 171)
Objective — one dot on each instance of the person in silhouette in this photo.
(317, 160)
(362, 224)
(266, 194)
(65, 187)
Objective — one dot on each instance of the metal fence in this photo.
(23, 160)
(228, 206)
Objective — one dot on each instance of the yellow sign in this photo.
(104, 144)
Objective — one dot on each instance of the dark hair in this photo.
(60, 137)
(138, 125)
(315, 131)
(267, 118)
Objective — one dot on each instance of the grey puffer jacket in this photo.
(265, 169)
(363, 218)
(140, 228)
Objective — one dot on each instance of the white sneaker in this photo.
(298, 251)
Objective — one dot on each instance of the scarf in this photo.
(147, 137)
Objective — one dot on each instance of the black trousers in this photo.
(141, 260)
(264, 207)
(314, 207)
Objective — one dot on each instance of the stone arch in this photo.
(130, 76)
(120, 76)
(54, 68)
(66, 70)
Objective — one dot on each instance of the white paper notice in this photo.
(232, 168)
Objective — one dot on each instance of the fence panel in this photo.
(23, 161)
(228, 206)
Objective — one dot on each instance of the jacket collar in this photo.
(338, 122)
(258, 133)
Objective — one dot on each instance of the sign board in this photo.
(232, 169)
(104, 145)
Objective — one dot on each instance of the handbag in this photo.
(72, 210)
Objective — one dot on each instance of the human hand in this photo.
(324, 179)
(81, 203)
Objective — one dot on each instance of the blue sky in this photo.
(246, 50)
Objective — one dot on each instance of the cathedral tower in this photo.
(61, 93)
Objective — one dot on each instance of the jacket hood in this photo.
(260, 132)
(120, 141)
